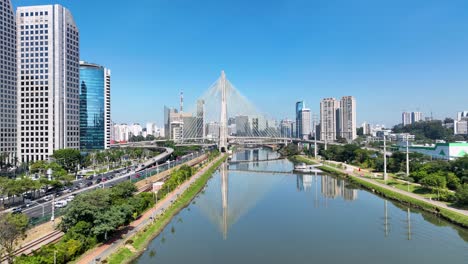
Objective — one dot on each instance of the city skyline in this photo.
(312, 65)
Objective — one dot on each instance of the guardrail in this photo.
(133, 177)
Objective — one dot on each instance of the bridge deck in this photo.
(261, 171)
(248, 161)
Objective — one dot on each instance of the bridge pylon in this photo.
(223, 133)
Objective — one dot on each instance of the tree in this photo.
(434, 181)
(462, 195)
(39, 166)
(150, 138)
(122, 191)
(68, 158)
(12, 230)
(360, 131)
(425, 130)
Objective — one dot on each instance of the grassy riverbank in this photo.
(449, 215)
(140, 240)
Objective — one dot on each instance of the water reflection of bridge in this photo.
(237, 198)
(231, 199)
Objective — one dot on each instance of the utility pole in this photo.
(407, 155)
(52, 218)
(315, 136)
(407, 159)
(385, 158)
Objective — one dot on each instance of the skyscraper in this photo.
(200, 119)
(347, 126)
(329, 110)
(306, 125)
(286, 128)
(406, 118)
(8, 88)
(48, 101)
(416, 117)
(299, 106)
(95, 121)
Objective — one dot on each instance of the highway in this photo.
(41, 207)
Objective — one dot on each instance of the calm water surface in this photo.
(247, 215)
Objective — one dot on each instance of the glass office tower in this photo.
(94, 106)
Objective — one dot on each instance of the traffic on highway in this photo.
(55, 200)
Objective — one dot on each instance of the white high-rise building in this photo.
(150, 129)
(366, 128)
(306, 123)
(8, 84)
(347, 125)
(48, 81)
(416, 117)
(136, 129)
(328, 119)
(406, 118)
(121, 132)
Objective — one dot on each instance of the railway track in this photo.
(33, 245)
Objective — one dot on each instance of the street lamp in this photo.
(407, 159)
(385, 157)
(52, 218)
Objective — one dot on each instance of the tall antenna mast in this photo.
(181, 101)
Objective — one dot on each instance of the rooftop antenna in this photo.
(181, 101)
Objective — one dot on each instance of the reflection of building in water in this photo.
(332, 188)
(241, 156)
(349, 194)
(233, 197)
(304, 182)
(255, 154)
(255, 158)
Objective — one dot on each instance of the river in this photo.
(260, 212)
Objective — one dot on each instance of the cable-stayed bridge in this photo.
(223, 116)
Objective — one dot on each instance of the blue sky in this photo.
(391, 55)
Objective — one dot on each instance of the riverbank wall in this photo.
(136, 245)
(444, 213)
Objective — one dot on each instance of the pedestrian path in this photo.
(350, 170)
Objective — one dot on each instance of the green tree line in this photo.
(437, 175)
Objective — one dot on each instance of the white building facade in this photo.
(48, 81)
(406, 118)
(306, 123)
(8, 84)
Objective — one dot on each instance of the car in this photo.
(98, 180)
(48, 198)
(16, 210)
(27, 203)
(61, 204)
(70, 198)
(89, 183)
